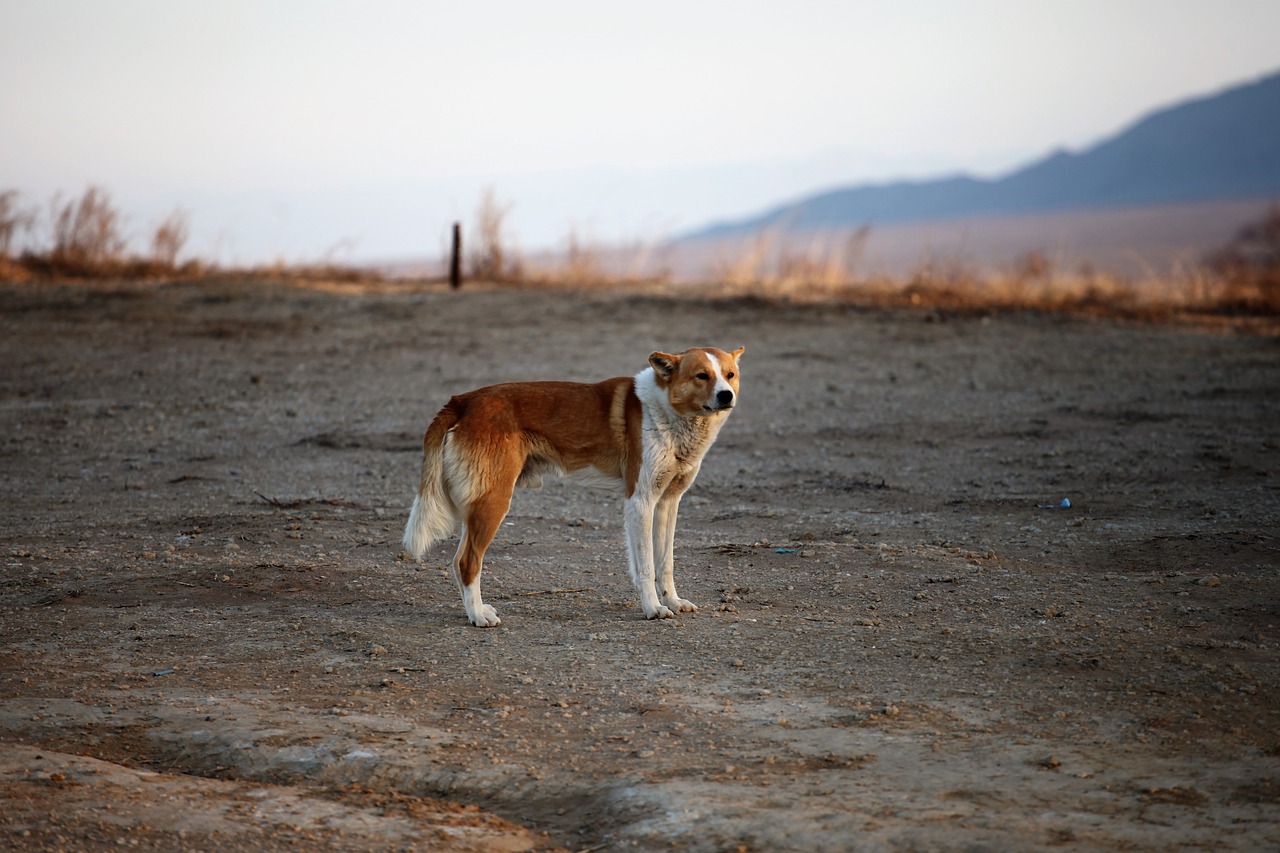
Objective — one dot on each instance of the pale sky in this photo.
(301, 129)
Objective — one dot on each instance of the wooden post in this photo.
(455, 259)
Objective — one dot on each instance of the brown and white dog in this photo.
(650, 432)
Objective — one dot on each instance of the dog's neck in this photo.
(691, 435)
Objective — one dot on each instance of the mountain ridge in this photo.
(1215, 147)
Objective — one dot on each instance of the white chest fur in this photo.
(673, 444)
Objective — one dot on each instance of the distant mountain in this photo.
(1226, 146)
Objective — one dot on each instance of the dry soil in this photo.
(907, 640)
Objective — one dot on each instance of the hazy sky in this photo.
(302, 128)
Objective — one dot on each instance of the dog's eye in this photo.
(729, 375)
(704, 376)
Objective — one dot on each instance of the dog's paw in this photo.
(486, 618)
(659, 612)
(680, 605)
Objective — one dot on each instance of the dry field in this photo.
(1130, 243)
(905, 641)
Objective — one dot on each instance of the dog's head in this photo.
(698, 382)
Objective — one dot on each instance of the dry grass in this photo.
(14, 221)
(1249, 266)
(169, 238)
(491, 257)
(587, 264)
(87, 234)
(1242, 279)
(768, 260)
(584, 263)
(85, 239)
(954, 287)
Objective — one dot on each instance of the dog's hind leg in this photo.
(664, 536)
(483, 516)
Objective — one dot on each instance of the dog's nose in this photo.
(725, 398)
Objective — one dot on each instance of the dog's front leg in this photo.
(664, 539)
(638, 522)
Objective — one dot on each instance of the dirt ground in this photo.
(906, 640)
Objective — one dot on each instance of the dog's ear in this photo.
(737, 354)
(664, 364)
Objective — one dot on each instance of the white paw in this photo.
(486, 618)
(680, 605)
(658, 612)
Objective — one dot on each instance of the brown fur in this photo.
(513, 434)
(649, 432)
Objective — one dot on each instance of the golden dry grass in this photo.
(85, 241)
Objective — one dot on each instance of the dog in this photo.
(648, 432)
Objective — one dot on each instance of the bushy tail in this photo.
(434, 516)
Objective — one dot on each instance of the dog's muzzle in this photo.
(723, 402)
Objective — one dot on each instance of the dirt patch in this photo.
(72, 802)
(906, 640)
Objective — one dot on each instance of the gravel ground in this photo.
(906, 641)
